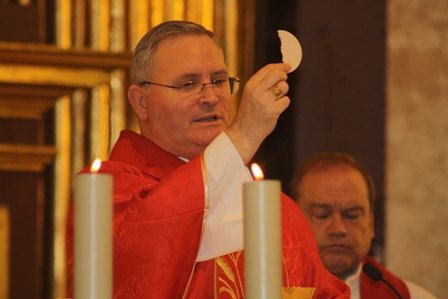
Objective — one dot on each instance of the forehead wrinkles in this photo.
(203, 51)
(336, 207)
(328, 186)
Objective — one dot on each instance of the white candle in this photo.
(262, 239)
(93, 212)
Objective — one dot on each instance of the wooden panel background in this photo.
(44, 143)
(63, 79)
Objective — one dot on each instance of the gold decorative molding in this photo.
(4, 252)
(37, 54)
(62, 190)
(28, 158)
(17, 107)
(85, 91)
(42, 75)
(36, 67)
(81, 83)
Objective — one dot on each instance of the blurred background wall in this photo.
(373, 83)
(417, 142)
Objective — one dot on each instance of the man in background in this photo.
(337, 196)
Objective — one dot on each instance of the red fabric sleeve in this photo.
(157, 229)
(302, 264)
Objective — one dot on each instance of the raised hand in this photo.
(263, 100)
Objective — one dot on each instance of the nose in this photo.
(205, 85)
(208, 94)
(336, 225)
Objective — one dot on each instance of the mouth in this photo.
(208, 118)
(336, 247)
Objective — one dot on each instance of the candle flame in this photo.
(95, 165)
(256, 171)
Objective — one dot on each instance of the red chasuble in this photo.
(371, 289)
(158, 223)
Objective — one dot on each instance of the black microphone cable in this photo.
(376, 275)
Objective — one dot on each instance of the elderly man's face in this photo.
(335, 201)
(185, 122)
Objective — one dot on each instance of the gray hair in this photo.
(145, 49)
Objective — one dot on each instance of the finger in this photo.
(272, 73)
(276, 91)
(279, 90)
(282, 103)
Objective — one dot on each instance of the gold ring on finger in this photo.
(276, 91)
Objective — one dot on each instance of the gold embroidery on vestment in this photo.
(225, 268)
(231, 280)
(298, 293)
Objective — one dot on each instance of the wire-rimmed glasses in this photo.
(192, 87)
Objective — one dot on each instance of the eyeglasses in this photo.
(192, 87)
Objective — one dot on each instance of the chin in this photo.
(340, 267)
(344, 273)
(340, 262)
(205, 138)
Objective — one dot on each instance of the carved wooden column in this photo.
(58, 110)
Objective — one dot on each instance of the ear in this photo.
(137, 99)
(372, 224)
